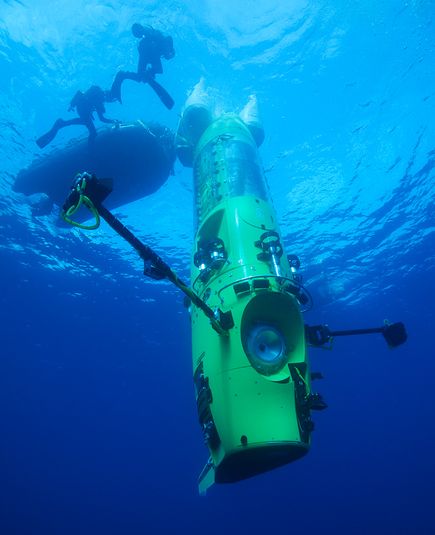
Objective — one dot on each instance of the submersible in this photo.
(252, 383)
(249, 343)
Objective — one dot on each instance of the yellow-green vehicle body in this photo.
(253, 382)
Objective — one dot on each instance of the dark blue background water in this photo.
(98, 419)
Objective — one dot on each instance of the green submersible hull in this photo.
(252, 383)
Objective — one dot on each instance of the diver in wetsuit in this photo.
(153, 46)
(85, 104)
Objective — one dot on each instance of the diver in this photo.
(85, 104)
(152, 47)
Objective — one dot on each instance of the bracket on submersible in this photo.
(272, 251)
(393, 333)
(87, 189)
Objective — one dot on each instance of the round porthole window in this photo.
(265, 348)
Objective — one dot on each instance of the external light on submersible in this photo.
(249, 343)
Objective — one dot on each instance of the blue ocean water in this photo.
(99, 430)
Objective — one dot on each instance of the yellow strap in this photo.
(83, 199)
(300, 375)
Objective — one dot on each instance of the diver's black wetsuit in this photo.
(153, 45)
(85, 104)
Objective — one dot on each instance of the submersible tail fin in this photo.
(251, 117)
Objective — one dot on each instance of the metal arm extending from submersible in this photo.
(319, 335)
(90, 191)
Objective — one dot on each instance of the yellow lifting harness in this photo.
(82, 200)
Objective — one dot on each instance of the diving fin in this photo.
(161, 92)
(47, 138)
